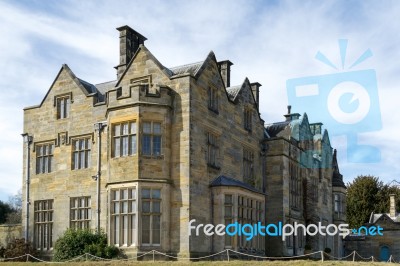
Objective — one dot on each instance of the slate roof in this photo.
(274, 129)
(90, 88)
(222, 181)
(106, 86)
(233, 91)
(191, 69)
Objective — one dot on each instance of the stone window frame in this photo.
(295, 186)
(248, 119)
(123, 211)
(153, 135)
(44, 157)
(228, 217)
(212, 99)
(152, 200)
(63, 103)
(77, 161)
(258, 215)
(43, 224)
(127, 140)
(80, 212)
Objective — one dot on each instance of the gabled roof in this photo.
(234, 91)
(224, 181)
(143, 48)
(87, 88)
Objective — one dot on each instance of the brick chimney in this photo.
(225, 70)
(392, 205)
(255, 87)
(129, 42)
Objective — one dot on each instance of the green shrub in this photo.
(74, 243)
(17, 248)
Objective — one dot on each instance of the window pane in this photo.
(125, 146)
(228, 211)
(146, 206)
(117, 130)
(116, 147)
(116, 207)
(156, 229)
(133, 128)
(125, 129)
(133, 144)
(76, 160)
(146, 149)
(117, 192)
(147, 127)
(145, 229)
(156, 128)
(156, 193)
(156, 207)
(156, 145)
(145, 193)
(116, 229)
(124, 194)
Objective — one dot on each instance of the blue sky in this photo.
(268, 41)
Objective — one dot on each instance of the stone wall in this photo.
(9, 233)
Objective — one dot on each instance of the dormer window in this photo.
(63, 106)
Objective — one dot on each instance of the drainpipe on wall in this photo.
(27, 140)
(264, 150)
(98, 128)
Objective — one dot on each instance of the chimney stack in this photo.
(129, 42)
(392, 205)
(289, 116)
(316, 128)
(255, 87)
(225, 70)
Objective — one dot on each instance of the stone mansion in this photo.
(142, 155)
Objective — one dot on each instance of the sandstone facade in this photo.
(145, 154)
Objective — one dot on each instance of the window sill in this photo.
(156, 157)
(124, 156)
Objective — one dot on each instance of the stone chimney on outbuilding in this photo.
(225, 70)
(129, 42)
(392, 205)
